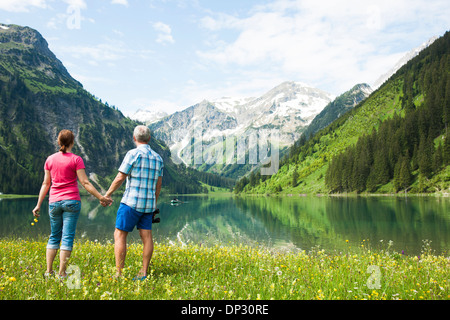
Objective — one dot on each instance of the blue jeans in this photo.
(63, 222)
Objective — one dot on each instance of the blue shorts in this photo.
(128, 218)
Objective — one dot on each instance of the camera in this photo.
(155, 220)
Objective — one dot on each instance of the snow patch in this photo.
(149, 116)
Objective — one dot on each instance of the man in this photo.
(142, 168)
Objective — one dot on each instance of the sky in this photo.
(170, 54)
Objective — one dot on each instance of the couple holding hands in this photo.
(142, 168)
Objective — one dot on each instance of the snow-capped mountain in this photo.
(229, 104)
(148, 116)
(411, 54)
(287, 108)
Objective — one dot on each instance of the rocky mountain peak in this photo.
(407, 57)
(28, 50)
(25, 36)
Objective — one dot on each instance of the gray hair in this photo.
(142, 134)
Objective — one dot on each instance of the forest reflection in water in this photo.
(291, 223)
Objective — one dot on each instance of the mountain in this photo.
(408, 56)
(288, 108)
(148, 116)
(395, 140)
(338, 107)
(38, 98)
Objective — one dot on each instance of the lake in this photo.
(285, 223)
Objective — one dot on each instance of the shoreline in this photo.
(348, 194)
(17, 196)
(296, 195)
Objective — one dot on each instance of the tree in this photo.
(252, 179)
(402, 174)
(425, 156)
(446, 105)
(240, 185)
(446, 149)
(371, 184)
(380, 166)
(437, 159)
(294, 178)
(362, 163)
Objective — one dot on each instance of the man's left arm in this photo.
(118, 180)
(124, 170)
(158, 188)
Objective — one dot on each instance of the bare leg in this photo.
(64, 256)
(147, 240)
(50, 257)
(120, 249)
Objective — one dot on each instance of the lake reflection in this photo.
(283, 222)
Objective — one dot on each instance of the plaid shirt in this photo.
(143, 167)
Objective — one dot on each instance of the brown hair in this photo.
(65, 139)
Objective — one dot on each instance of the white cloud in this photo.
(106, 53)
(122, 2)
(222, 21)
(71, 18)
(164, 32)
(98, 53)
(90, 80)
(21, 5)
(159, 105)
(57, 20)
(332, 43)
(162, 27)
(80, 4)
(26, 5)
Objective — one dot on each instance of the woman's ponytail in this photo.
(65, 139)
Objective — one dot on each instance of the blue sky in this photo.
(171, 54)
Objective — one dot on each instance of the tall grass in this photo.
(224, 272)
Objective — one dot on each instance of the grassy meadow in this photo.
(231, 272)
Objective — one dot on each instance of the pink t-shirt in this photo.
(63, 172)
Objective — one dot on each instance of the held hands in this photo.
(106, 201)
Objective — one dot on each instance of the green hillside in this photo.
(338, 107)
(38, 98)
(405, 120)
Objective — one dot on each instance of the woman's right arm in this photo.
(43, 192)
(84, 180)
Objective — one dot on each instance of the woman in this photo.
(61, 172)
